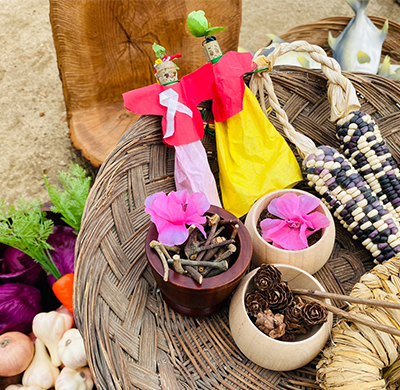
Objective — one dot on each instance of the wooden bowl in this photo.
(263, 350)
(310, 259)
(187, 297)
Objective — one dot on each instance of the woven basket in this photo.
(316, 33)
(133, 340)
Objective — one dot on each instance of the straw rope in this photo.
(361, 352)
(341, 93)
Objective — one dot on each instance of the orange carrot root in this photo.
(63, 289)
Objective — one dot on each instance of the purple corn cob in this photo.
(361, 142)
(345, 192)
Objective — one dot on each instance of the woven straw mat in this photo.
(133, 340)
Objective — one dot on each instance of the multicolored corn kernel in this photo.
(352, 201)
(362, 143)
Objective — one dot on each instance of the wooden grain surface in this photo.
(104, 48)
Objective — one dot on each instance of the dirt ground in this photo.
(34, 135)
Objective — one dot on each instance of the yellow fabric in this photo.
(254, 159)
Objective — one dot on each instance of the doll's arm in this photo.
(144, 101)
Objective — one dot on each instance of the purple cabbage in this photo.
(19, 303)
(63, 241)
(18, 267)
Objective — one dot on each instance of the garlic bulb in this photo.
(41, 372)
(79, 379)
(50, 328)
(71, 350)
(20, 387)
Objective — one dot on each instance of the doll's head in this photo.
(166, 70)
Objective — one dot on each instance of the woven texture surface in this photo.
(132, 338)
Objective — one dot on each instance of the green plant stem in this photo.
(26, 228)
(54, 270)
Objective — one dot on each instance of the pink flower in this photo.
(171, 213)
(296, 221)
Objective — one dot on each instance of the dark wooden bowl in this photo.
(186, 296)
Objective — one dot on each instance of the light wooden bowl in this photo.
(310, 259)
(263, 350)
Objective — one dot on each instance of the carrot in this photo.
(63, 288)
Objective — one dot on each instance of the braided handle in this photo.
(341, 93)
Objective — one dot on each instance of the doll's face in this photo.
(167, 74)
(213, 50)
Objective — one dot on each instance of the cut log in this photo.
(104, 48)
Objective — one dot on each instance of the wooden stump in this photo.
(104, 48)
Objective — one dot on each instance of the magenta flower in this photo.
(173, 212)
(295, 222)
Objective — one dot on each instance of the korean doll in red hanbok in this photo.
(182, 124)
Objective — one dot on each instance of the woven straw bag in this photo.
(133, 340)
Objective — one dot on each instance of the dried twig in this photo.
(222, 265)
(211, 246)
(211, 252)
(175, 248)
(194, 274)
(165, 251)
(359, 318)
(191, 243)
(213, 221)
(223, 257)
(234, 231)
(157, 247)
(229, 221)
(176, 261)
(218, 232)
(347, 298)
(231, 249)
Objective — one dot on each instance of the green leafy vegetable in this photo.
(197, 23)
(160, 53)
(215, 30)
(159, 50)
(70, 201)
(26, 228)
(199, 26)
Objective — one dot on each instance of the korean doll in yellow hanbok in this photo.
(254, 159)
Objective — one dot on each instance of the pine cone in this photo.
(270, 324)
(279, 297)
(295, 323)
(267, 277)
(314, 313)
(255, 303)
(288, 337)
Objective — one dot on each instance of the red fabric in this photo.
(228, 88)
(221, 82)
(192, 89)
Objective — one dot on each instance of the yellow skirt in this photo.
(254, 159)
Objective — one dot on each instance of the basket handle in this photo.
(341, 93)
